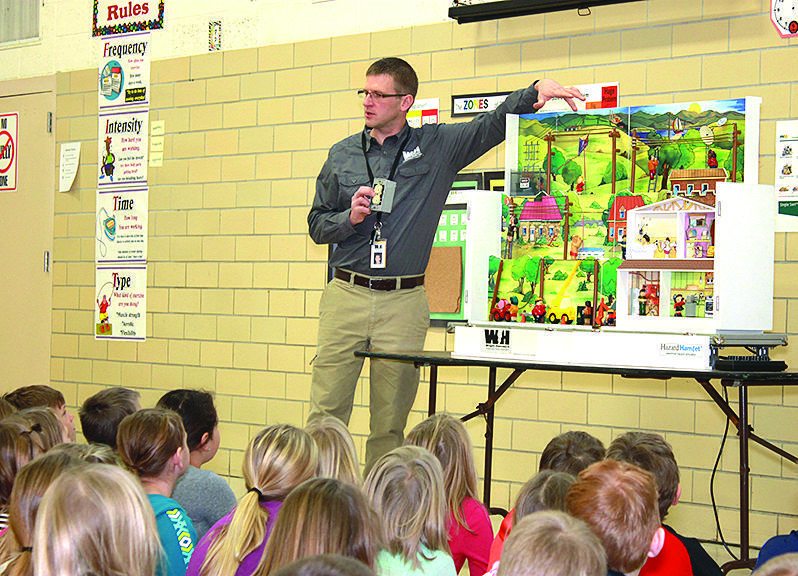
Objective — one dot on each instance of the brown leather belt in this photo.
(379, 283)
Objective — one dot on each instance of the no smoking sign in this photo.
(8, 151)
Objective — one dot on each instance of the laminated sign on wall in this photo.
(8, 151)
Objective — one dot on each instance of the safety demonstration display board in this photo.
(620, 236)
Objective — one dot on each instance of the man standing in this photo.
(377, 299)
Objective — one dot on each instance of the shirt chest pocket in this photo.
(349, 182)
(414, 169)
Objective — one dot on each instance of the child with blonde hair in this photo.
(45, 421)
(30, 485)
(552, 543)
(470, 531)
(152, 443)
(279, 458)
(337, 455)
(19, 444)
(323, 516)
(405, 487)
(95, 519)
(546, 490)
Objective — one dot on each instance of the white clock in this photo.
(784, 15)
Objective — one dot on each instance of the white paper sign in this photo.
(68, 167)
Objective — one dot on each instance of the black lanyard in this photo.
(375, 234)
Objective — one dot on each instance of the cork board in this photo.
(444, 280)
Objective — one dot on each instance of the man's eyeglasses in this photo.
(376, 96)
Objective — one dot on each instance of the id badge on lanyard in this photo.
(381, 203)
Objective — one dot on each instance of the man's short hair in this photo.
(652, 453)
(551, 543)
(571, 452)
(101, 414)
(404, 77)
(34, 396)
(618, 501)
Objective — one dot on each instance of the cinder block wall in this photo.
(234, 280)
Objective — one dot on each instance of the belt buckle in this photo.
(371, 280)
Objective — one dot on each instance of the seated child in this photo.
(570, 452)
(44, 420)
(325, 565)
(405, 487)
(31, 483)
(204, 495)
(782, 565)
(101, 414)
(468, 523)
(38, 395)
(19, 444)
(680, 555)
(323, 516)
(776, 547)
(278, 459)
(337, 454)
(152, 443)
(552, 543)
(618, 502)
(546, 491)
(95, 519)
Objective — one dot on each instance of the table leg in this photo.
(489, 439)
(433, 389)
(744, 472)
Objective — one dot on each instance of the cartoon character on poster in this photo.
(107, 161)
(104, 297)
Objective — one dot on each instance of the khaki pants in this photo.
(355, 318)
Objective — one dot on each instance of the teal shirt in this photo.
(435, 563)
(178, 537)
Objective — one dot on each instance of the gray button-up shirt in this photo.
(432, 157)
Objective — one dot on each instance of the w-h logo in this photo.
(497, 340)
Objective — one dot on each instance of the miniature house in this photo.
(697, 183)
(539, 218)
(689, 267)
(678, 227)
(617, 222)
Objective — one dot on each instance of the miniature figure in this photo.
(678, 305)
(539, 311)
(652, 167)
(587, 314)
(576, 243)
(512, 234)
(712, 158)
(580, 184)
(642, 301)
